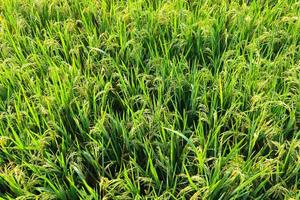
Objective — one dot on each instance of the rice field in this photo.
(150, 99)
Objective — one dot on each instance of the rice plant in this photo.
(149, 99)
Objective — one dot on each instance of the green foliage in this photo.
(149, 99)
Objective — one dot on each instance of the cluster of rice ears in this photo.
(149, 99)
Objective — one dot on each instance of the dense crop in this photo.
(156, 99)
